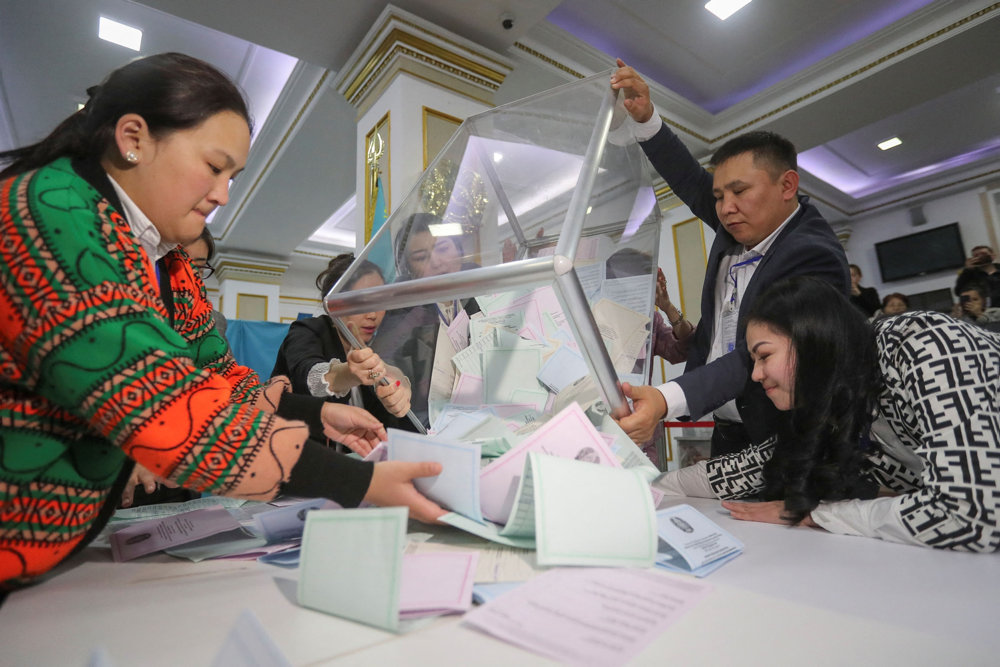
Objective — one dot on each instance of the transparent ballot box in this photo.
(521, 267)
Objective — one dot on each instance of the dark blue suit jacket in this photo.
(806, 246)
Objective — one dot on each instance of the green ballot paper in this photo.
(333, 544)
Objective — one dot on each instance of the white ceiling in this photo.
(836, 77)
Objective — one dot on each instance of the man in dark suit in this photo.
(764, 231)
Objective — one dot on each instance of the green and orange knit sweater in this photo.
(96, 372)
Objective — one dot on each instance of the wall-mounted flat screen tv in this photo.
(934, 250)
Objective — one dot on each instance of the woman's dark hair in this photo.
(820, 453)
(171, 91)
(628, 262)
(335, 269)
(895, 295)
(209, 241)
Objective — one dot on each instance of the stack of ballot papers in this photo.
(208, 528)
(520, 349)
(560, 490)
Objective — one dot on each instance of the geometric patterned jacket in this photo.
(94, 371)
(939, 409)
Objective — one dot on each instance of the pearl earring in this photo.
(131, 157)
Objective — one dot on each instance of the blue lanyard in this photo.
(732, 276)
(441, 315)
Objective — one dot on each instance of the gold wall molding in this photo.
(400, 41)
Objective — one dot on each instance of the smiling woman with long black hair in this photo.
(914, 404)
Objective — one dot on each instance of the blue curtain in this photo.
(255, 344)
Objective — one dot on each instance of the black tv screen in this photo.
(934, 250)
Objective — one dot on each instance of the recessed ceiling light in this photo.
(726, 8)
(120, 34)
(890, 143)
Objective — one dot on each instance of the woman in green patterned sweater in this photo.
(109, 355)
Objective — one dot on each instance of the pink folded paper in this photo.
(433, 584)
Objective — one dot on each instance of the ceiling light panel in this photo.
(726, 8)
(120, 34)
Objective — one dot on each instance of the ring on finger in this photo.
(373, 374)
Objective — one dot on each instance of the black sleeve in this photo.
(688, 179)
(303, 408)
(870, 300)
(323, 473)
(306, 344)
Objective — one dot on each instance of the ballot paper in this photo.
(468, 390)
(146, 537)
(588, 616)
(588, 514)
(568, 434)
(507, 370)
(692, 543)
(170, 509)
(561, 369)
(437, 583)
(351, 564)
(287, 523)
(457, 487)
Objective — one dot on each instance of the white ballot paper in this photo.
(692, 543)
(588, 514)
(457, 487)
(588, 616)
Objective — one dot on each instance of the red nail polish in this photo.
(397, 382)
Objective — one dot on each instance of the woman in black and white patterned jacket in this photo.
(914, 404)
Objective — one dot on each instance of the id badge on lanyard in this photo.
(731, 310)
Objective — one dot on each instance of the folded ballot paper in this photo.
(691, 543)
(390, 585)
(561, 490)
(214, 532)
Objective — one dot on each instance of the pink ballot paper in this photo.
(157, 534)
(588, 615)
(437, 583)
(568, 434)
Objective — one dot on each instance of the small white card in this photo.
(690, 542)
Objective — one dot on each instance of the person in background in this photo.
(912, 402)
(864, 298)
(107, 349)
(972, 300)
(670, 342)
(981, 266)
(319, 362)
(410, 335)
(202, 252)
(892, 304)
(764, 231)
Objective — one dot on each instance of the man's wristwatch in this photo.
(680, 318)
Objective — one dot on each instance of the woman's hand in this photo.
(662, 297)
(149, 481)
(392, 486)
(365, 366)
(354, 427)
(395, 396)
(768, 512)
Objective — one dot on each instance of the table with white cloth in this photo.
(795, 596)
